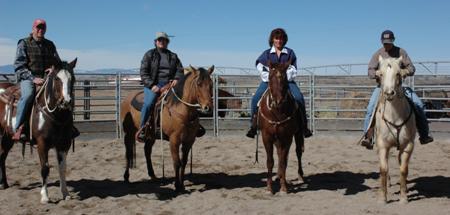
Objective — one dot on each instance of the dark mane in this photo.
(179, 88)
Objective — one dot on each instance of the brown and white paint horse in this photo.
(51, 125)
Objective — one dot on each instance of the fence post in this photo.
(118, 96)
(312, 95)
(216, 106)
(87, 99)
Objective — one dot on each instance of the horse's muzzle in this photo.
(205, 109)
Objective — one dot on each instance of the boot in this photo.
(367, 139)
(201, 131)
(19, 135)
(251, 133)
(140, 135)
(75, 132)
(426, 140)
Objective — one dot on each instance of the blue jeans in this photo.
(149, 100)
(421, 119)
(28, 91)
(295, 91)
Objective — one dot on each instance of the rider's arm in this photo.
(21, 63)
(406, 63)
(373, 66)
(145, 71)
(292, 69)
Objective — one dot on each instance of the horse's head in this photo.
(60, 85)
(201, 79)
(390, 75)
(278, 82)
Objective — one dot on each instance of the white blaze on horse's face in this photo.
(390, 76)
(66, 79)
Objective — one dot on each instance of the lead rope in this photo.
(161, 132)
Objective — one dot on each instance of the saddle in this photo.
(152, 124)
(10, 95)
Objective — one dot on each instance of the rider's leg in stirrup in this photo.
(421, 119)
(254, 108)
(367, 140)
(24, 105)
(298, 96)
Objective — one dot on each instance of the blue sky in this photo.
(116, 34)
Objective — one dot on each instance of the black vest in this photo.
(41, 55)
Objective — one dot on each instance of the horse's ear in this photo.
(211, 69)
(400, 59)
(73, 63)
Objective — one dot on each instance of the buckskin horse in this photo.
(278, 118)
(179, 117)
(394, 124)
(51, 123)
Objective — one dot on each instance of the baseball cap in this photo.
(39, 22)
(161, 35)
(387, 37)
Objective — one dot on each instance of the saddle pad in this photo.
(138, 101)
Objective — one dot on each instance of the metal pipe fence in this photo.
(333, 102)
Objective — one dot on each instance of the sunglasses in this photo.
(161, 39)
(41, 26)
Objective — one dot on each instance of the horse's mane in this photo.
(179, 88)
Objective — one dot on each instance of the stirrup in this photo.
(367, 142)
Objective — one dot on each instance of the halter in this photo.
(184, 102)
(396, 126)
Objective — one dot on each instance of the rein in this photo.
(396, 126)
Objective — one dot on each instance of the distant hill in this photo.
(6, 69)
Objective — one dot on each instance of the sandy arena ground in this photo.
(342, 178)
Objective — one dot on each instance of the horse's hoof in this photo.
(403, 201)
(44, 200)
(283, 193)
(269, 192)
(4, 186)
(67, 198)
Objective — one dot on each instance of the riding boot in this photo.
(20, 134)
(367, 139)
(251, 133)
(75, 132)
(304, 122)
(201, 131)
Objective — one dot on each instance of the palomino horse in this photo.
(180, 121)
(51, 124)
(394, 124)
(278, 118)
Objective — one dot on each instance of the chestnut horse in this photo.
(278, 118)
(51, 124)
(180, 121)
(395, 124)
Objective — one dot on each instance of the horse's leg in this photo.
(61, 156)
(384, 169)
(45, 169)
(268, 145)
(404, 156)
(175, 152)
(5, 146)
(283, 152)
(148, 157)
(185, 149)
(299, 149)
(129, 142)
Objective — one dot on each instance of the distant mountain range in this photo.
(7, 69)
